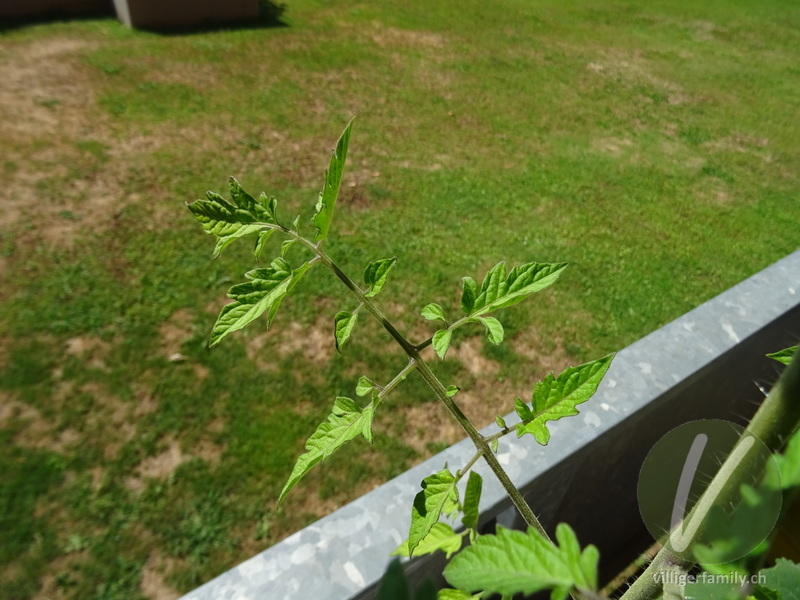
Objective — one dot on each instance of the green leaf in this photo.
(376, 273)
(345, 422)
(762, 593)
(441, 341)
(494, 329)
(231, 221)
(433, 312)
(495, 444)
(783, 578)
(344, 323)
(438, 494)
(501, 422)
(441, 537)
(270, 204)
(469, 291)
(582, 564)
(472, 499)
(285, 245)
(501, 291)
(707, 590)
(224, 242)
(247, 205)
(451, 594)
(452, 390)
(789, 463)
(264, 292)
(554, 398)
(784, 356)
(220, 218)
(515, 562)
(330, 191)
(261, 241)
(298, 274)
(522, 409)
(738, 534)
(364, 386)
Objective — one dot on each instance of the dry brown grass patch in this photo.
(405, 38)
(92, 350)
(163, 464)
(154, 573)
(37, 432)
(174, 332)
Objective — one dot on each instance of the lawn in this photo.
(652, 146)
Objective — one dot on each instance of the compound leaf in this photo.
(499, 290)
(220, 218)
(439, 494)
(264, 292)
(344, 323)
(440, 537)
(345, 422)
(330, 190)
(554, 398)
(376, 273)
(515, 562)
(247, 205)
(784, 356)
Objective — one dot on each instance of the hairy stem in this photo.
(397, 379)
(438, 388)
(774, 423)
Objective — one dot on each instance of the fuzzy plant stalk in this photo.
(553, 398)
(776, 420)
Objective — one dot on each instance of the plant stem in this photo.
(774, 422)
(397, 379)
(438, 388)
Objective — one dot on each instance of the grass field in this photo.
(653, 146)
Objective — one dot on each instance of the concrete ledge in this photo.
(705, 364)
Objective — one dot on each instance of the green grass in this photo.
(654, 147)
